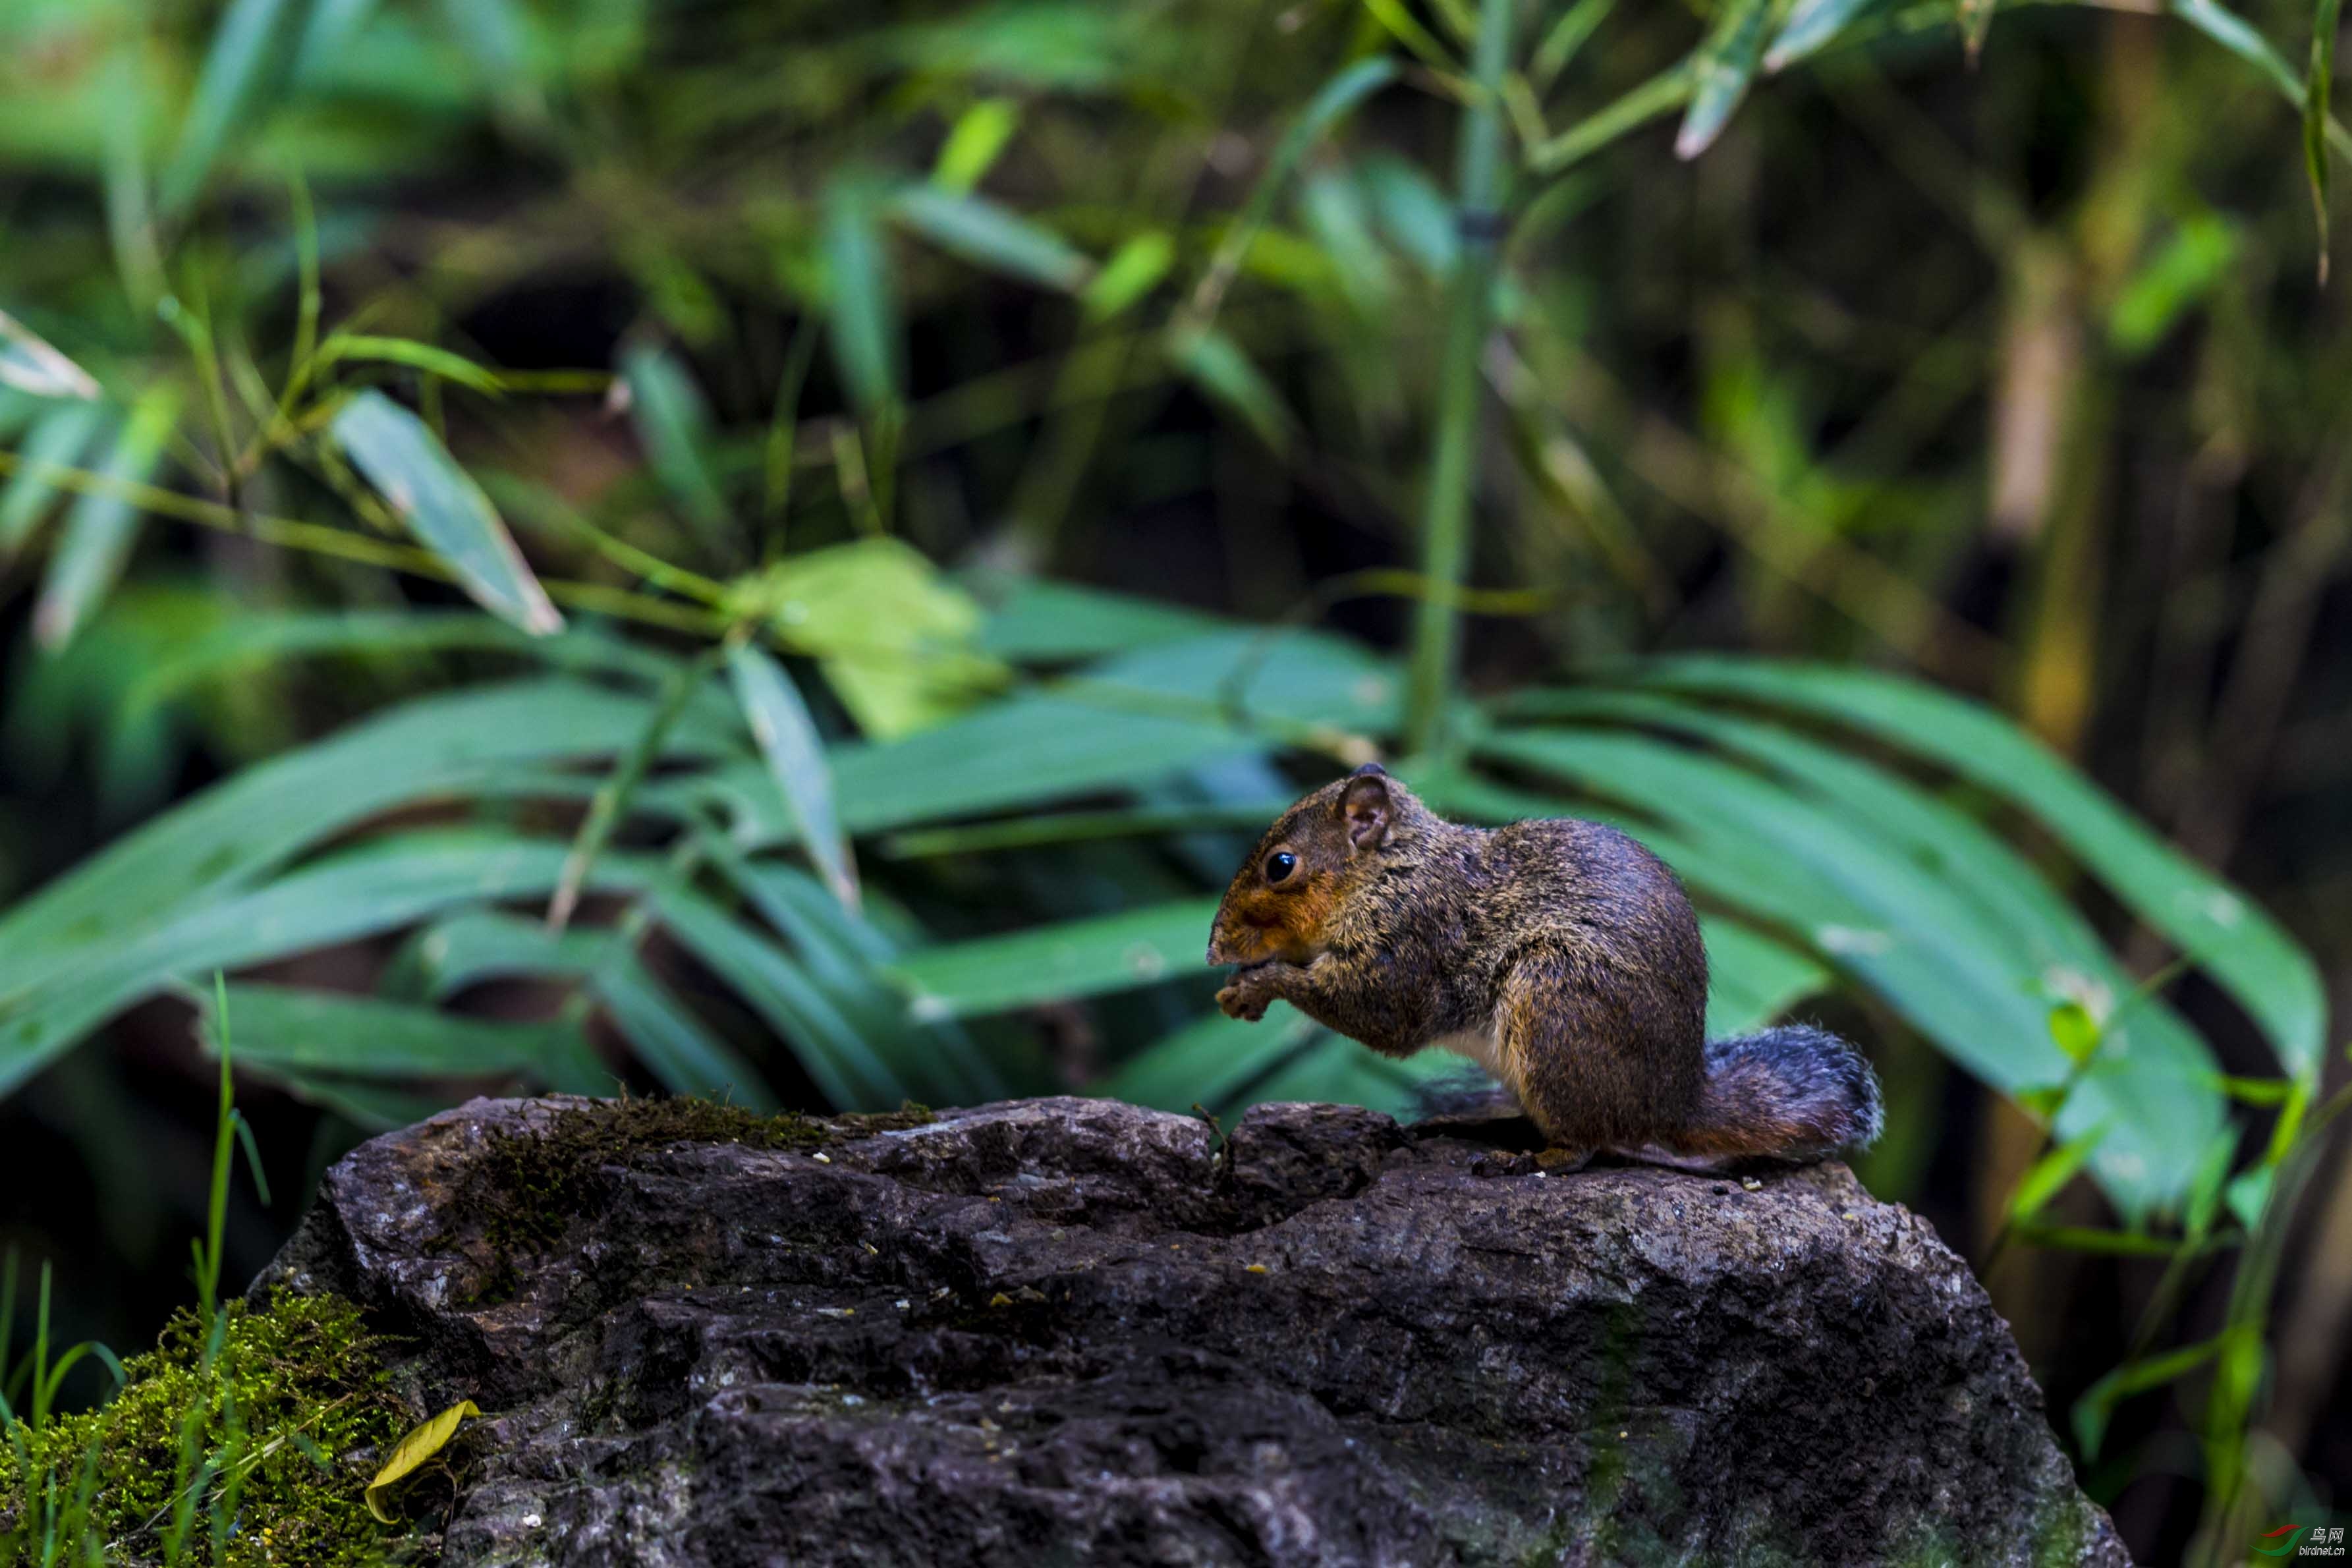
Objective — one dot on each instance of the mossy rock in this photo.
(288, 1400)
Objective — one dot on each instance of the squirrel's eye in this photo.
(1280, 865)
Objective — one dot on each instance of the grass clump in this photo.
(240, 1446)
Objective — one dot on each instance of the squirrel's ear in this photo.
(1368, 809)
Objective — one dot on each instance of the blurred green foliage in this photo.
(769, 379)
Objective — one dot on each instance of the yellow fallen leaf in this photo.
(416, 1448)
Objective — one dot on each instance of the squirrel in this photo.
(1558, 954)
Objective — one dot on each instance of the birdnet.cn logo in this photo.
(2301, 1541)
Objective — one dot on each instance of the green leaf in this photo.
(2049, 1175)
(674, 423)
(414, 1450)
(101, 527)
(979, 133)
(2093, 1411)
(1720, 72)
(416, 356)
(995, 237)
(1134, 269)
(1079, 958)
(677, 1047)
(1939, 940)
(381, 888)
(1811, 24)
(1213, 1060)
(307, 1032)
(1751, 979)
(29, 364)
(2075, 1031)
(2317, 85)
(610, 805)
(1039, 620)
(860, 303)
(252, 47)
(445, 510)
(1663, 94)
(788, 741)
(1219, 367)
(2263, 969)
(58, 439)
(232, 835)
(843, 1065)
(892, 634)
(2238, 35)
(2249, 1194)
(2183, 271)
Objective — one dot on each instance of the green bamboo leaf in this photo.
(610, 804)
(1079, 958)
(101, 527)
(2257, 963)
(2097, 1405)
(252, 640)
(677, 1048)
(1720, 72)
(1577, 23)
(989, 235)
(58, 441)
(848, 1071)
(1212, 1060)
(252, 47)
(2238, 35)
(29, 364)
(382, 887)
(1340, 1071)
(674, 423)
(860, 303)
(980, 134)
(1751, 979)
(1039, 620)
(232, 836)
(1120, 726)
(2318, 84)
(445, 510)
(1663, 94)
(285, 1030)
(1220, 368)
(788, 739)
(416, 356)
(1811, 24)
(2048, 1174)
(1134, 269)
(1920, 933)
(442, 959)
(1332, 102)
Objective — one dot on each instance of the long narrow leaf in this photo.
(1079, 958)
(2263, 969)
(789, 743)
(58, 441)
(288, 1029)
(990, 234)
(28, 363)
(1720, 71)
(446, 510)
(101, 527)
(253, 44)
(674, 423)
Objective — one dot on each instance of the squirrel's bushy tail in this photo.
(1791, 1094)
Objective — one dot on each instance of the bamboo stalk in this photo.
(1446, 512)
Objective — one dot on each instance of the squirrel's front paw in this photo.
(1245, 996)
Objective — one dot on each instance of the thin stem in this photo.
(1446, 527)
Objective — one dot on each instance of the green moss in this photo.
(283, 1413)
(526, 1189)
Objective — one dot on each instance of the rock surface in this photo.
(1074, 1332)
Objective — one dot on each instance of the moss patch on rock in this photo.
(249, 1448)
(528, 1188)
